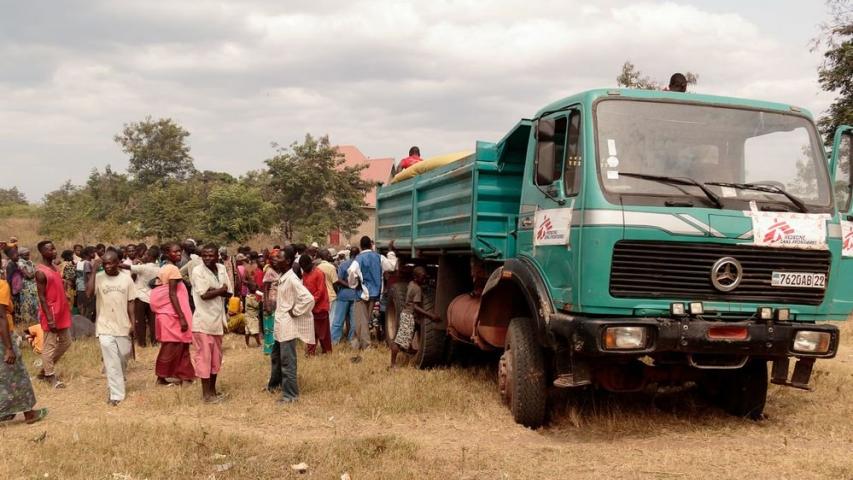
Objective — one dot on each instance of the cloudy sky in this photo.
(382, 75)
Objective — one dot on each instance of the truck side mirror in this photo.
(545, 151)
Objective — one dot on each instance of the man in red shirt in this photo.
(413, 158)
(54, 313)
(315, 281)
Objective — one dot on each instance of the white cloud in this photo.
(381, 75)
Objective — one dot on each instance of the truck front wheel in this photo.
(741, 392)
(521, 374)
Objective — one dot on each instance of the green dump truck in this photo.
(623, 238)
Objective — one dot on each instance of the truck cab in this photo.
(627, 237)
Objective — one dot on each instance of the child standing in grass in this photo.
(414, 306)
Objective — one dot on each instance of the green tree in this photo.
(12, 196)
(171, 210)
(835, 73)
(157, 150)
(101, 210)
(630, 77)
(234, 212)
(314, 192)
(113, 198)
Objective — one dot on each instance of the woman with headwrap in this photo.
(29, 292)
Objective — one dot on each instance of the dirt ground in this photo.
(362, 420)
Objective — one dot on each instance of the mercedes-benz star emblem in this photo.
(726, 274)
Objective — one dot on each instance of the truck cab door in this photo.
(549, 198)
(841, 166)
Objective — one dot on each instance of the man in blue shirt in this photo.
(344, 310)
(370, 264)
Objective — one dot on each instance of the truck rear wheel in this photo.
(396, 302)
(741, 392)
(430, 341)
(521, 374)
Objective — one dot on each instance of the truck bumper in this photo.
(691, 336)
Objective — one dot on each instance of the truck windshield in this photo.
(715, 146)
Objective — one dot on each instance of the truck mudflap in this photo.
(692, 336)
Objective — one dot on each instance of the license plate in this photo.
(798, 280)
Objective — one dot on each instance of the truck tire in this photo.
(741, 392)
(396, 302)
(430, 338)
(521, 374)
(431, 342)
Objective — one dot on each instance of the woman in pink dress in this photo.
(171, 306)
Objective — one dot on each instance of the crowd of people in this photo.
(182, 298)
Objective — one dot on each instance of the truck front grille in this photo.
(647, 269)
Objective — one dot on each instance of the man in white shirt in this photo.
(114, 294)
(210, 284)
(145, 271)
(293, 320)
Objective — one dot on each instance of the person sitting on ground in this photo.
(677, 83)
(236, 317)
(252, 317)
(413, 158)
(414, 306)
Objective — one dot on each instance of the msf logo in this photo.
(848, 241)
(545, 227)
(777, 230)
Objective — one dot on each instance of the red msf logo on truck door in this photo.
(544, 227)
(552, 226)
(848, 241)
(777, 231)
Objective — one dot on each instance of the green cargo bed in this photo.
(470, 205)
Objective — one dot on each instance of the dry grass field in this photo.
(368, 422)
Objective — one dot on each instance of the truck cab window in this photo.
(549, 165)
(573, 162)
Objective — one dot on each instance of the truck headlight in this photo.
(806, 341)
(625, 338)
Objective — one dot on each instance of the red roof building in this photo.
(378, 171)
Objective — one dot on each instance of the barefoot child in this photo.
(414, 306)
